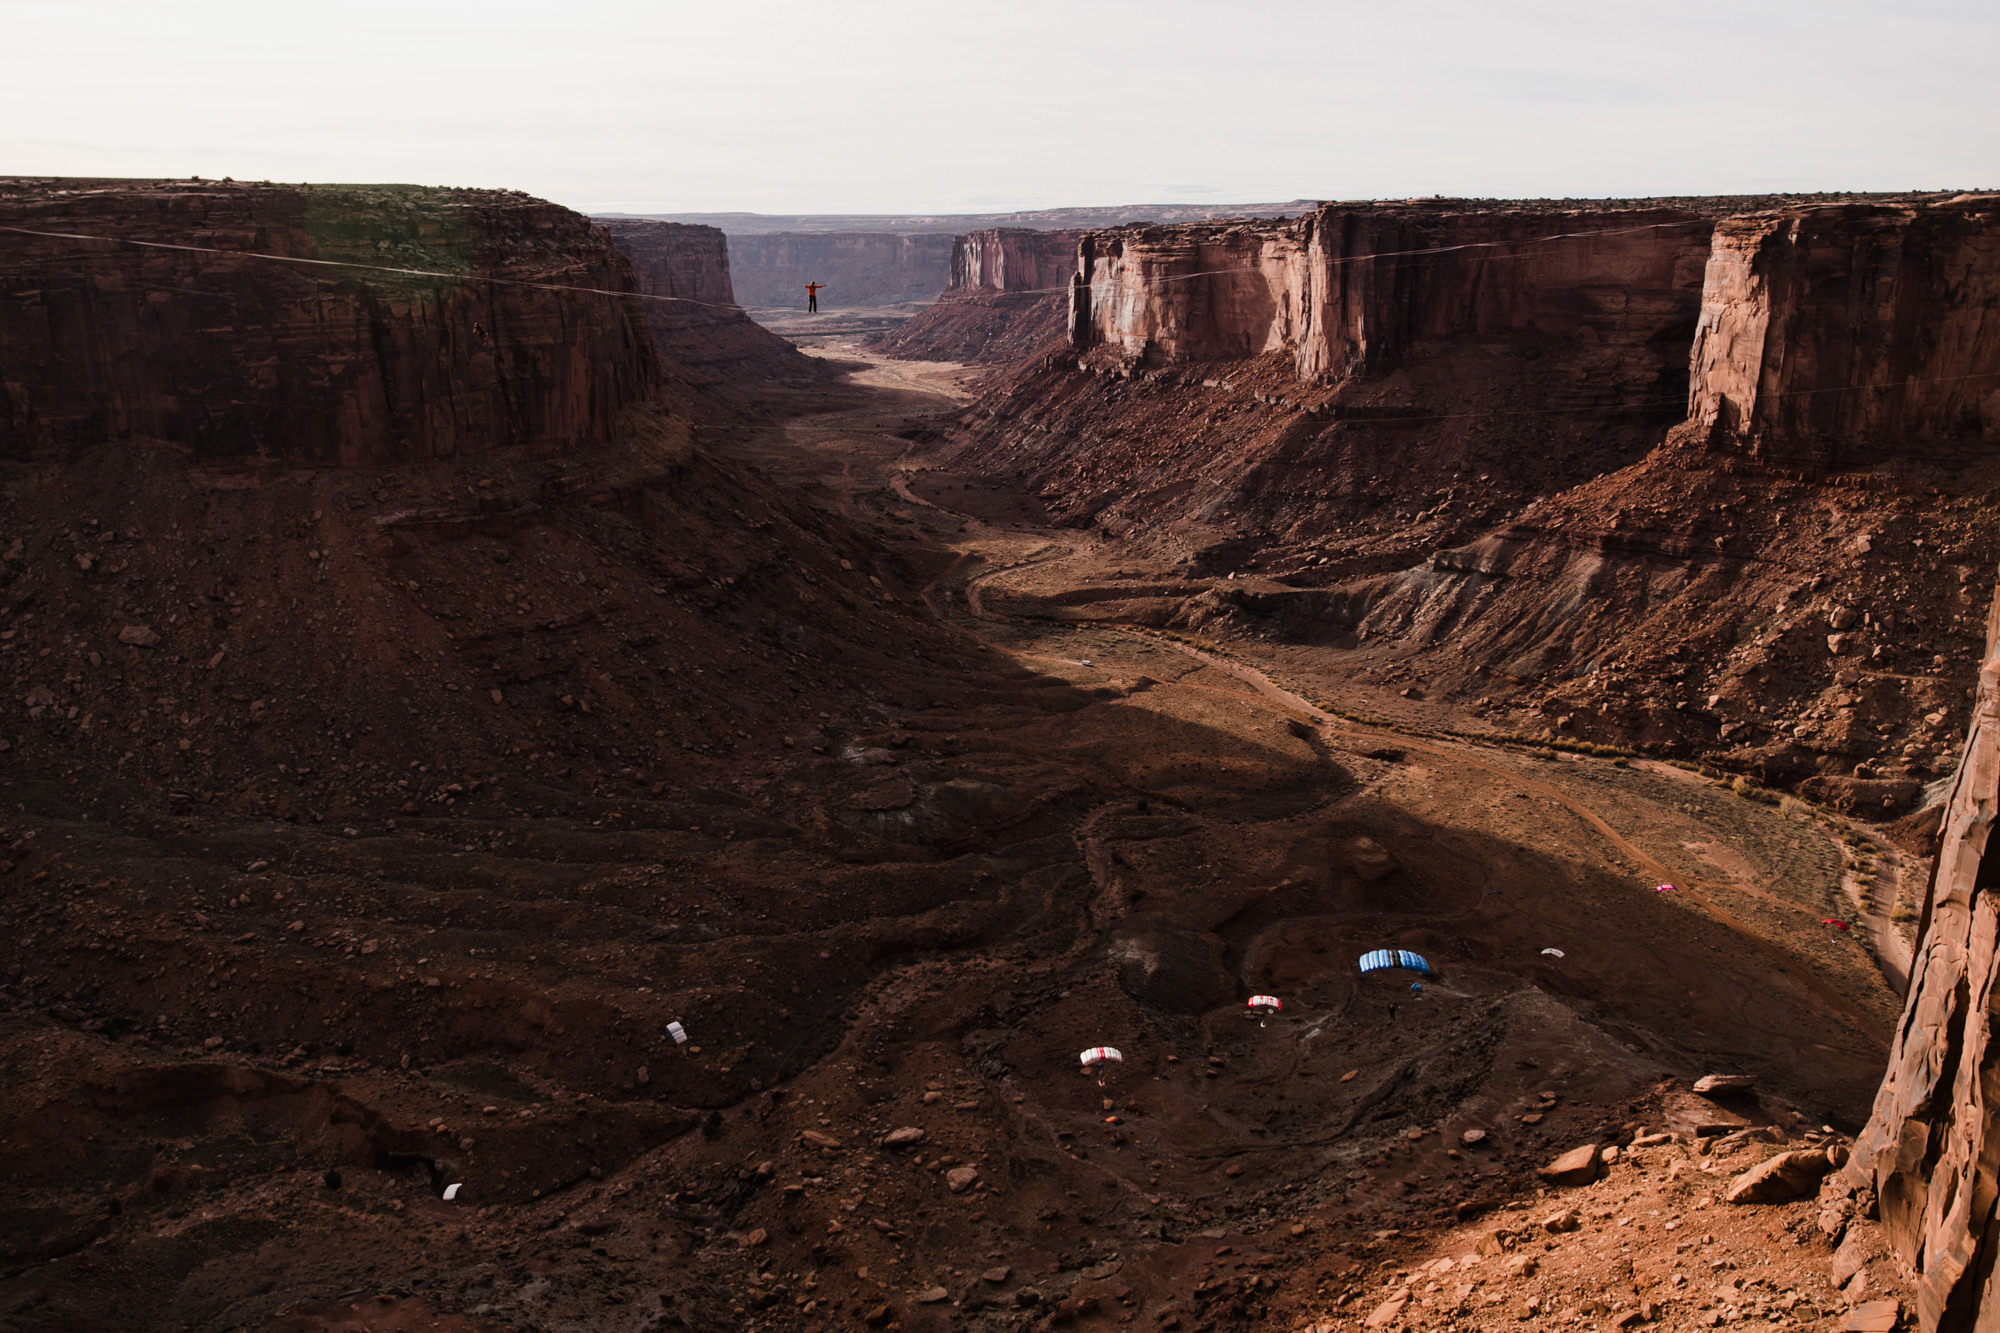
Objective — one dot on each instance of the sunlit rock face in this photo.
(1931, 1146)
(436, 323)
(1846, 333)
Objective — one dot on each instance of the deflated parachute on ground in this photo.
(1377, 960)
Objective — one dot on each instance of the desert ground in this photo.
(248, 1047)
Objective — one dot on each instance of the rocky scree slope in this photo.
(1460, 468)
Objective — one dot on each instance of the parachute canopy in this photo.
(451, 1191)
(1266, 1002)
(1098, 1055)
(1663, 888)
(1378, 959)
(1835, 922)
(678, 1033)
(1553, 953)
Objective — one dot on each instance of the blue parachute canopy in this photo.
(1377, 960)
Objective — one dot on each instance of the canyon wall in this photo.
(1356, 289)
(859, 268)
(1007, 300)
(1843, 334)
(1157, 296)
(139, 311)
(1450, 446)
(684, 282)
(1931, 1149)
(1013, 259)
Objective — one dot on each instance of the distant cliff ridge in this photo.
(254, 357)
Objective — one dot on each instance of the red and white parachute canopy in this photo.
(1270, 1002)
(1098, 1055)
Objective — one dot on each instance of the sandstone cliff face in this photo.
(1007, 301)
(1469, 469)
(1353, 290)
(859, 268)
(1156, 296)
(1932, 1147)
(219, 355)
(1845, 334)
(1614, 289)
(1013, 259)
(683, 272)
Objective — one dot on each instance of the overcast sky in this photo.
(929, 106)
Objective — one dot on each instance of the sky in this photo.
(897, 106)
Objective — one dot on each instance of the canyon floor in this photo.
(889, 941)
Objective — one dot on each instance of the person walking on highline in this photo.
(812, 296)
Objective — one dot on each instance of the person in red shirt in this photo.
(812, 296)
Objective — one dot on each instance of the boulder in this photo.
(1853, 1254)
(961, 1178)
(1872, 1317)
(1724, 1083)
(1776, 1179)
(1557, 1223)
(139, 636)
(1578, 1166)
(1370, 859)
(909, 1136)
(1388, 1311)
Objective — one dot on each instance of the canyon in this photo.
(634, 832)
(1446, 444)
(892, 262)
(1008, 301)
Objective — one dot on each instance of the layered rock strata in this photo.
(1445, 446)
(427, 324)
(1848, 334)
(1007, 300)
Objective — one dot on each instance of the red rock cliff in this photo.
(1197, 292)
(1357, 289)
(1931, 1149)
(683, 276)
(216, 353)
(1013, 259)
(1842, 333)
(1006, 302)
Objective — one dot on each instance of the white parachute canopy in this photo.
(1266, 1002)
(1553, 953)
(1098, 1055)
(678, 1033)
(451, 1190)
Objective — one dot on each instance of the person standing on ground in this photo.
(812, 296)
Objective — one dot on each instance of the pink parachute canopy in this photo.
(1266, 1002)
